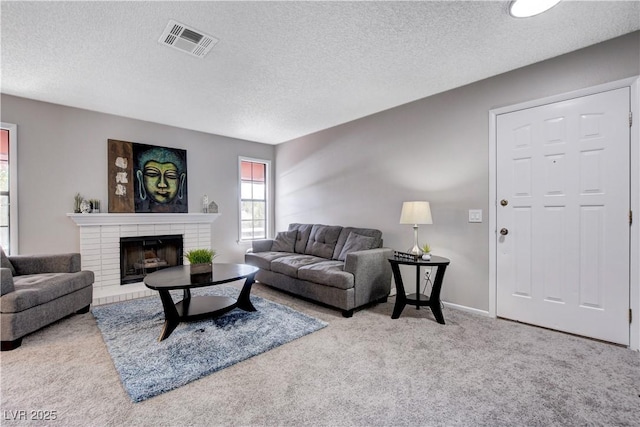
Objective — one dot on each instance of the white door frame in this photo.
(634, 84)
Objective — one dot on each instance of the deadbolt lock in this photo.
(503, 202)
(504, 231)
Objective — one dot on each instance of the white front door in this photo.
(563, 193)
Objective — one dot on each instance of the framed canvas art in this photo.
(146, 178)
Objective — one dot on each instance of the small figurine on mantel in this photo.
(205, 204)
(208, 207)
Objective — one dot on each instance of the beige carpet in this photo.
(366, 370)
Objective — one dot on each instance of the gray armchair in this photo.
(38, 290)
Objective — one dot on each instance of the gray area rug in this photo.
(195, 349)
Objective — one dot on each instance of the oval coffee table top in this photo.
(179, 277)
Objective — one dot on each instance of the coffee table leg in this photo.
(171, 317)
(244, 302)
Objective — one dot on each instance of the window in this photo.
(253, 198)
(8, 189)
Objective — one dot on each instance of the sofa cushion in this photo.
(302, 237)
(290, 264)
(344, 235)
(330, 273)
(263, 259)
(5, 263)
(322, 240)
(356, 242)
(285, 241)
(35, 289)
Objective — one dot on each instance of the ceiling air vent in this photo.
(186, 39)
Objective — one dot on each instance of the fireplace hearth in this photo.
(142, 255)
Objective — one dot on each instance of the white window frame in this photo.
(267, 213)
(13, 186)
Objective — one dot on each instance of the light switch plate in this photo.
(475, 215)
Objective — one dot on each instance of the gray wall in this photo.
(434, 149)
(63, 150)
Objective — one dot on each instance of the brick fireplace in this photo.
(100, 237)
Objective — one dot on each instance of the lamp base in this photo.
(415, 251)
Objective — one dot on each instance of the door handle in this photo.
(504, 202)
(504, 231)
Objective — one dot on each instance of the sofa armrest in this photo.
(262, 245)
(371, 272)
(56, 263)
(6, 281)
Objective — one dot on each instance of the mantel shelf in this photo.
(95, 219)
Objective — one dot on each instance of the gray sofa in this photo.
(38, 290)
(343, 267)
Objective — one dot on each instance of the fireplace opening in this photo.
(142, 255)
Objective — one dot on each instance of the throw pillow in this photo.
(5, 263)
(356, 242)
(285, 241)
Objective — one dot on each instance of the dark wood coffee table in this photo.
(199, 307)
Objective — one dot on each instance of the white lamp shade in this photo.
(416, 213)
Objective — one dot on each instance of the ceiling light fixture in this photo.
(528, 8)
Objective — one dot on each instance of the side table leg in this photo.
(171, 316)
(398, 307)
(437, 311)
(434, 300)
(401, 297)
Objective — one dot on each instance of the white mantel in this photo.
(100, 235)
(90, 219)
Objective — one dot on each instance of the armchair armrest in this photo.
(6, 281)
(56, 263)
(371, 272)
(262, 245)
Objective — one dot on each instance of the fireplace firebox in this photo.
(142, 255)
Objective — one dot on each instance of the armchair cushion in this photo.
(36, 289)
(55, 263)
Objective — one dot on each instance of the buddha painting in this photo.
(160, 179)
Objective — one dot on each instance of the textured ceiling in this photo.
(281, 69)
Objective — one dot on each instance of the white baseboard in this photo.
(467, 309)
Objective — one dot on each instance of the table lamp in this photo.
(416, 213)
